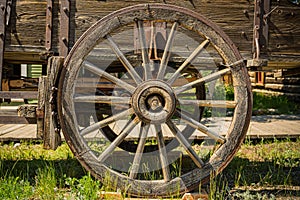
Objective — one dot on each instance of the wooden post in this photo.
(2, 35)
(40, 110)
(52, 137)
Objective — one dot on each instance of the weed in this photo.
(218, 187)
(15, 188)
(84, 188)
(46, 181)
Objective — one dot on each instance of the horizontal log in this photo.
(16, 120)
(8, 111)
(287, 72)
(26, 82)
(288, 81)
(26, 54)
(283, 88)
(18, 94)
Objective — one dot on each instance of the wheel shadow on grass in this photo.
(266, 178)
(28, 170)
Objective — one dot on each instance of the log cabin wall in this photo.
(276, 83)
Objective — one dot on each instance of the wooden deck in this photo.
(268, 126)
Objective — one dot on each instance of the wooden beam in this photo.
(287, 72)
(16, 120)
(18, 94)
(40, 110)
(48, 37)
(2, 35)
(52, 138)
(64, 27)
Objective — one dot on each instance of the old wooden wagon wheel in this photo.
(132, 93)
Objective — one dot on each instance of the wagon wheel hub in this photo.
(154, 102)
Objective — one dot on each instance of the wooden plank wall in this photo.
(26, 31)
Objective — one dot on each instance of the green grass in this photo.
(27, 171)
(271, 164)
(268, 104)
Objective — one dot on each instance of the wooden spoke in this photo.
(209, 103)
(103, 99)
(190, 59)
(162, 153)
(107, 121)
(208, 78)
(139, 152)
(93, 68)
(127, 129)
(145, 56)
(124, 60)
(167, 52)
(185, 144)
(197, 125)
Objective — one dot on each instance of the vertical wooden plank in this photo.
(52, 137)
(64, 27)
(40, 110)
(48, 43)
(2, 35)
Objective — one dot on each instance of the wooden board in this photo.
(16, 132)
(235, 17)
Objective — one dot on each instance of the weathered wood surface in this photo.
(9, 115)
(27, 27)
(2, 37)
(18, 94)
(40, 110)
(278, 83)
(52, 137)
(27, 110)
(17, 132)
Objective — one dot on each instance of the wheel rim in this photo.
(155, 97)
